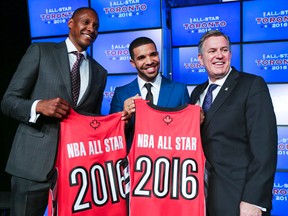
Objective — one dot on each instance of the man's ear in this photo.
(132, 63)
(70, 23)
(200, 59)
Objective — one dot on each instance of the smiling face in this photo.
(83, 29)
(215, 56)
(146, 61)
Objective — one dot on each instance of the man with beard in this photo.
(166, 93)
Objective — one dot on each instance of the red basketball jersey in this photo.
(89, 173)
(166, 162)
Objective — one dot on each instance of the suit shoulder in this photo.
(44, 44)
(179, 84)
(46, 47)
(198, 89)
(247, 81)
(249, 76)
(97, 65)
(199, 86)
(127, 86)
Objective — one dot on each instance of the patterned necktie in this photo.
(149, 95)
(205, 106)
(208, 98)
(75, 77)
(206, 178)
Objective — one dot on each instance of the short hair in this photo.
(139, 42)
(79, 10)
(212, 33)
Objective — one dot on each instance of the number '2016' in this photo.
(105, 178)
(168, 176)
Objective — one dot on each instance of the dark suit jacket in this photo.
(44, 73)
(172, 94)
(239, 137)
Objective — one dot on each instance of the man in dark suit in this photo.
(239, 134)
(39, 96)
(166, 93)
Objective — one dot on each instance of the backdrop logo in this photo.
(194, 66)
(127, 8)
(56, 15)
(283, 146)
(204, 24)
(109, 94)
(280, 191)
(273, 61)
(118, 52)
(273, 19)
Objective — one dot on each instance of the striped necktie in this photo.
(208, 98)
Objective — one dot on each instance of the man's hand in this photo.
(247, 209)
(56, 107)
(202, 116)
(129, 107)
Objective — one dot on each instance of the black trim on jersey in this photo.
(166, 109)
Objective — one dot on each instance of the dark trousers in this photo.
(29, 198)
(267, 213)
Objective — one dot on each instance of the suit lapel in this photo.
(134, 88)
(62, 62)
(92, 77)
(165, 92)
(223, 94)
(197, 92)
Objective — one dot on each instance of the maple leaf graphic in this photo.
(167, 119)
(94, 124)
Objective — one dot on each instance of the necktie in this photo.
(205, 106)
(75, 77)
(206, 177)
(149, 95)
(208, 98)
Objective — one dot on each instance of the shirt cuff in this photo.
(33, 115)
(262, 209)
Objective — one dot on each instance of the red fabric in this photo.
(166, 163)
(88, 163)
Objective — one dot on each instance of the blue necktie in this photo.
(205, 106)
(208, 98)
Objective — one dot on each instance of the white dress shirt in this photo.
(84, 76)
(155, 88)
(219, 83)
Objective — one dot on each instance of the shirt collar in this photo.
(156, 82)
(71, 48)
(221, 81)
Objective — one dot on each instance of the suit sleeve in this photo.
(100, 101)
(186, 98)
(262, 131)
(16, 102)
(116, 103)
